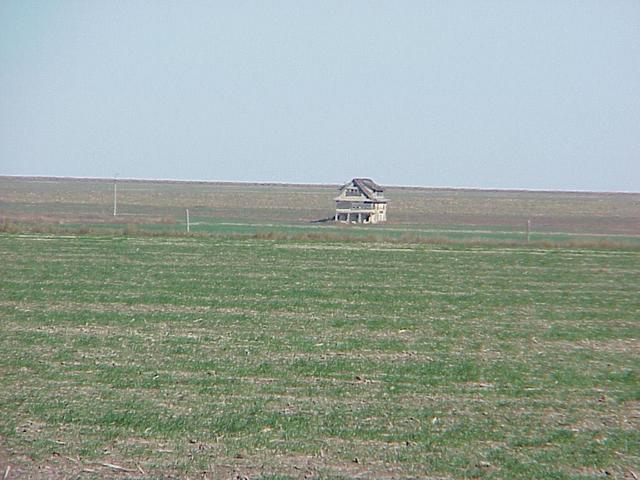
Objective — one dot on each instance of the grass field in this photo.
(220, 357)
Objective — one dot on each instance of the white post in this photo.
(115, 195)
(188, 224)
(528, 230)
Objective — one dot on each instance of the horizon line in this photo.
(337, 184)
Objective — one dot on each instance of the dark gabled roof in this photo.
(367, 183)
(366, 186)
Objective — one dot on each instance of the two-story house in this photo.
(361, 201)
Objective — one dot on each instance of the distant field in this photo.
(232, 208)
(214, 357)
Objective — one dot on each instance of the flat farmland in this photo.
(248, 209)
(221, 357)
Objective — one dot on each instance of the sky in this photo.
(532, 94)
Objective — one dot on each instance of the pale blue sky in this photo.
(541, 94)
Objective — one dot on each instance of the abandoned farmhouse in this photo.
(361, 201)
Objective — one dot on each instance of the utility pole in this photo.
(115, 195)
(188, 225)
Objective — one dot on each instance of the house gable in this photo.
(362, 189)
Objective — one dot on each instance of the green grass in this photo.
(459, 234)
(282, 358)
